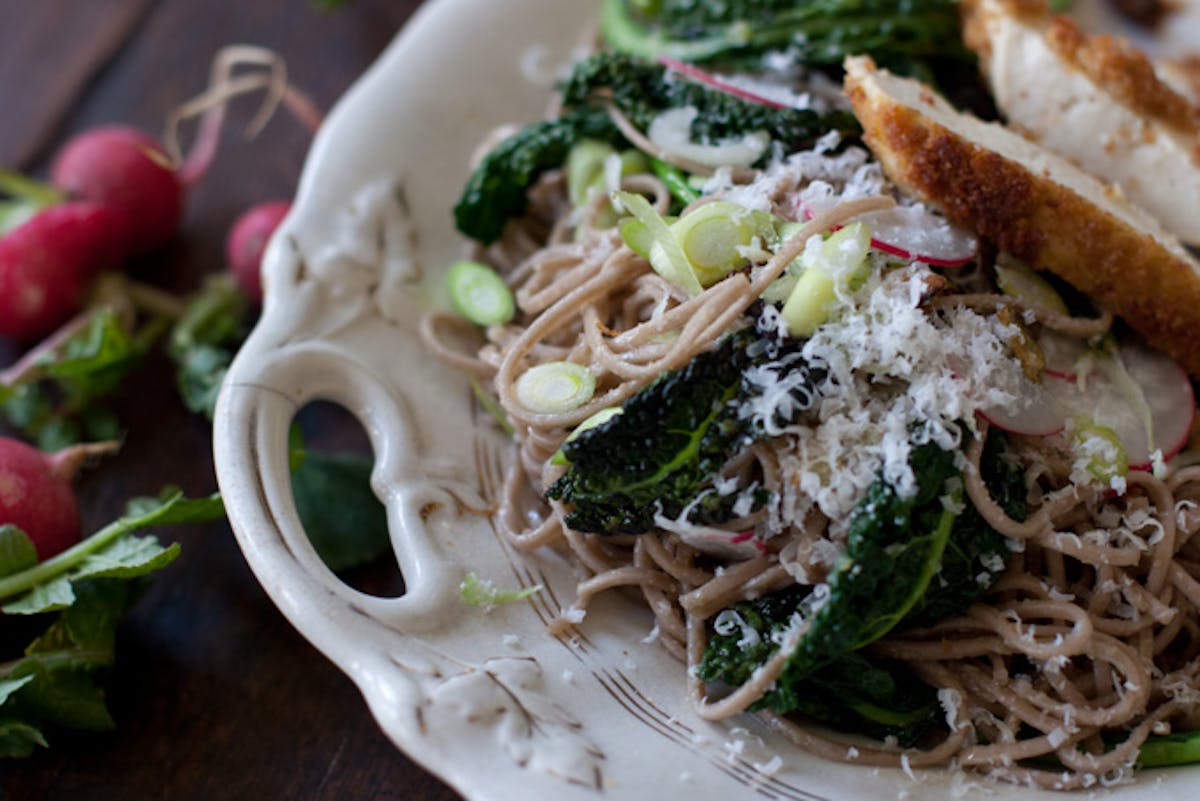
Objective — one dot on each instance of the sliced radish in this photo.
(1169, 392)
(1036, 412)
(912, 232)
(720, 543)
(1065, 355)
(1166, 398)
(742, 88)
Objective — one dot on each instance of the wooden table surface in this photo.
(215, 695)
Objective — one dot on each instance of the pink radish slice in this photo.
(724, 544)
(1168, 393)
(915, 233)
(1035, 412)
(723, 84)
(1064, 354)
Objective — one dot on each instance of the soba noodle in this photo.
(1092, 628)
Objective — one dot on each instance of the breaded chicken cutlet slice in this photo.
(1033, 204)
(1095, 100)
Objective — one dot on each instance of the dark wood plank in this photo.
(215, 695)
(59, 48)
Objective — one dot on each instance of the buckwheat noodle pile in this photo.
(1091, 630)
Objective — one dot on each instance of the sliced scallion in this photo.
(840, 260)
(1101, 447)
(585, 169)
(664, 254)
(676, 181)
(594, 167)
(555, 387)
(1177, 748)
(478, 293)
(714, 237)
(1017, 280)
(781, 288)
(636, 234)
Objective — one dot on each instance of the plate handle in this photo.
(251, 442)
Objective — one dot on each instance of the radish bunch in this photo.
(247, 241)
(117, 196)
(47, 262)
(129, 173)
(36, 494)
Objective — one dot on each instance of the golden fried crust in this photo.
(1038, 220)
(1111, 63)
(1186, 70)
(1125, 73)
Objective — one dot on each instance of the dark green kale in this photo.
(976, 553)
(495, 192)
(893, 549)
(910, 561)
(852, 693)
(814, 32)
(642, 91)
(664, 449)
(878, 699)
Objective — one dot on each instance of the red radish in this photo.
(127, 171)
(751, 92)
(1166, 392)
(46, 264)
(1064, 355)
(1036, 412)
(248, 239)
(1152, 411)
(36, 494)
(914, 233)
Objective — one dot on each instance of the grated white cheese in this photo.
(728, 621)
(951, 701)
(890, 369)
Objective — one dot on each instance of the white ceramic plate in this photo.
(489, 701)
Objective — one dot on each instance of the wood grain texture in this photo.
(55, 50)
(215, 695)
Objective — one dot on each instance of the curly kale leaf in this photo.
(495, 192)
(907, 562)
(642, 90)
(852, 693)
(878, 699)
(816, 32)
(667, 444)
(894, 547)
(976, 553)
